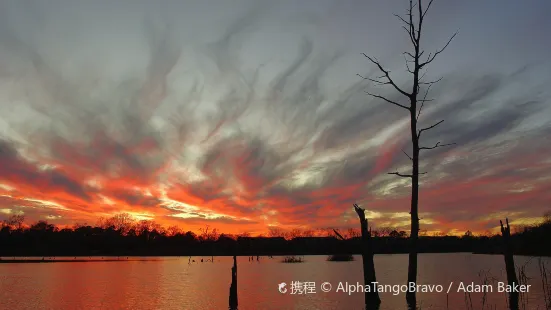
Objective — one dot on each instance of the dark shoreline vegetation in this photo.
(121, 236)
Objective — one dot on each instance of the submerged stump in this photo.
(509, 264)
(372, 300)
(233, 286)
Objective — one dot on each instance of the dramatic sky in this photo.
(242, 115)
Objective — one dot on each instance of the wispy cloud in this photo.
(249, 117)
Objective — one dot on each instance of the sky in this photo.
(245, 115)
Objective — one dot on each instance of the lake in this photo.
(174, 283)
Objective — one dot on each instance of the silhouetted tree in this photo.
(384, 231)
(308, 233)
(43, 226)
(353, 233)
(295, 233)
(45, 239)
(14, 222)
(415, 64)
(173, 230)
(276, 232)
(208, 234)
(244, 234)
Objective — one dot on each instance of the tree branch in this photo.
(414, 39)
(407, 155)
(338, 235)
(405, 175)
(401, 175)
(428, 128)
(389, 101)
(423, 102)
(435, 146)
(387, 76)
(427, 9)
(373, 80)
(407, 65)
(431, 58)
(430, 83)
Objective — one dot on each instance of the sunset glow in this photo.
(248, 123)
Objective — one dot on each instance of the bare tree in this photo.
(173, 230)
(385, 231)
(276, 232)
(14, 222)
(208, 234)
(295, 233)
(416, 64)
(353, 233)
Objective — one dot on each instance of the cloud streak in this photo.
(241, 124)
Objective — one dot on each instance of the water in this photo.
(172, 283)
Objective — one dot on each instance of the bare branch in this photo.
(373, 80)
(430, 83)
(427, 9)
(409, 27)
(388, 100)
(338, 235)
(407, 155)
(409, 54)
(401, 175)
(430, 127)
(423, 102)
(407, 65)
(435, 146)
(387, 76)
(422, 76)
(414, 40)
(402, 19)
(431, 58)
(405, 175)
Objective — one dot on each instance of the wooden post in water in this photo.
(233, 286)
(509, 264)
(372, 300)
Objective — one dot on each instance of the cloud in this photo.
(17, 170)
(243, 124)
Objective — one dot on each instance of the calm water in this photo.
(172, 283)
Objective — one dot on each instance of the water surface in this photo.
(174, 283)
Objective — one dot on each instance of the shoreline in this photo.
(130, 258)
(38, 261)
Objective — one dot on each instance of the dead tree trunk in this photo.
(233, 286)
(372, 300)
(509, 264)
(415, 65)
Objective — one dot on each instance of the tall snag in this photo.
(415, 64)
(509, 264)
(372, 300)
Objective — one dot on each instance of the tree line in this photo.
(122, 235)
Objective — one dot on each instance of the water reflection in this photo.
(179, 283)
